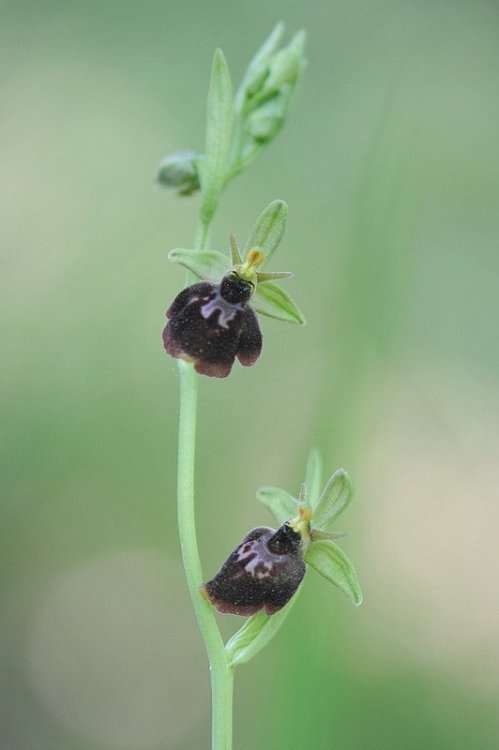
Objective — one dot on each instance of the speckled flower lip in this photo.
(263, 572)
(212, 324)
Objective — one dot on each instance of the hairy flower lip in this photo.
(212, 324)
(262, 572)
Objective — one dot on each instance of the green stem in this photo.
(220, 671)
(202, 234)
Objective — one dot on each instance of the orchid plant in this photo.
(211, 323)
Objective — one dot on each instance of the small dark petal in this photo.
(250, 341)
(255, 577)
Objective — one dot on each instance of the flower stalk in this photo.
(221, 673)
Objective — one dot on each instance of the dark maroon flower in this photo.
(263, 572)
(212, 324)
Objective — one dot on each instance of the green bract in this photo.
(322, 553)
(254, 635)
(268, 298)
(218, 135)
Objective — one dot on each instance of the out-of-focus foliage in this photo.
(389, 164)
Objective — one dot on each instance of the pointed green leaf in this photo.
(335, 497)
(332, 563)
(279, 502)
(313, 476)
(207, 264)
(269, 299)
(218, 135)
(268, 230)
(256, 632)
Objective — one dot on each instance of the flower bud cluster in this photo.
(253, 118)
(265, 95)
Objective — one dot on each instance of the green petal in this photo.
(332, 563)
(269, 299)
(234, 251)
(279, 502)
(272, 275)
(268, 230)
(207, 264)
(218, 135)
(335, 497)
(256, 632)
(313, 476)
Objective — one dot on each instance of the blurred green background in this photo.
(389, 163)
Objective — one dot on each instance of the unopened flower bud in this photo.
(265, 122)
(180, 172)
(286, 64)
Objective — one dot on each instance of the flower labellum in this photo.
(212, 324)
(263, 572)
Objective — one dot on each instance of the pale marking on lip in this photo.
(227, 310)
(254, 560)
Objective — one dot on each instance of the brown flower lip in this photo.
(263, 572)
(212, 324)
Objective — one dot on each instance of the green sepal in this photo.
(254, 635)
(218, 135)
(332, 563)
(280, 503)
(335, 497)
(268, 230)
(269, 299)
(313, 476)
(207, 264)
